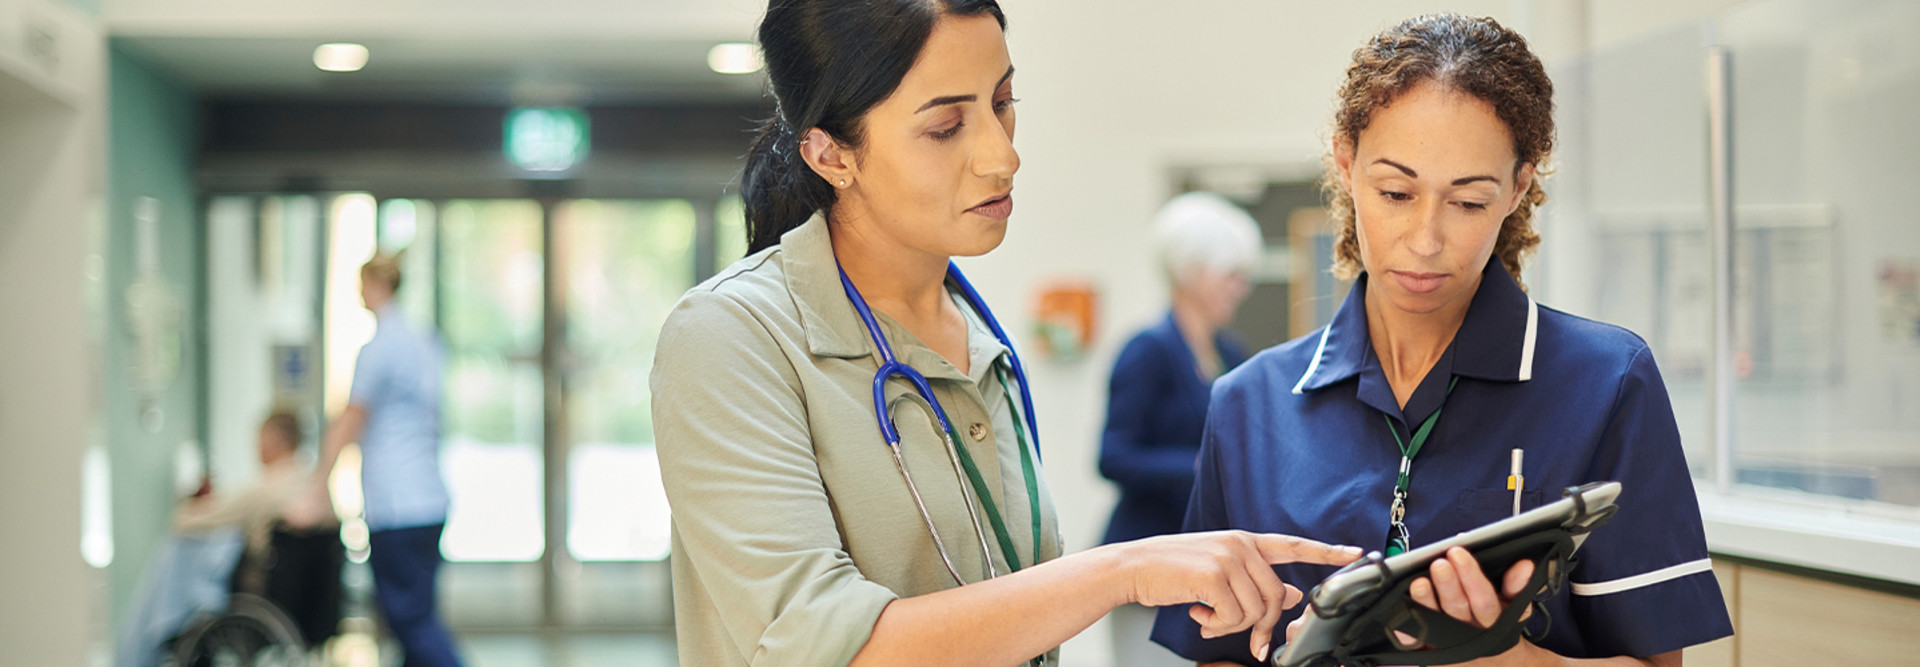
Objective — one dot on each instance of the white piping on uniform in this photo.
(1526, 348)
(1315, 364)
(1661, 575)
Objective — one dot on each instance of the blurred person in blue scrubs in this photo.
(1157, 397)
(1397, 424)
(393, 411)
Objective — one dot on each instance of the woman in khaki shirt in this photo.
(796, 539)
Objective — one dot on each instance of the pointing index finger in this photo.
(1280, 549)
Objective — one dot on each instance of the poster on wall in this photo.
(1897, 294)
(1064, 315)
(293, 377)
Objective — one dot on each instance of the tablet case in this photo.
(1353, 613)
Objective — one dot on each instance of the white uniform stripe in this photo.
(1526, 347)
(1661, 575)
(1315, 364)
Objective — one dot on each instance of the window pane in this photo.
(491, 293)
(1827, 285)
(1624, 235)
(626, 263)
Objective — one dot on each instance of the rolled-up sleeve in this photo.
(751, 513)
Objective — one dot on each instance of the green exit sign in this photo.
(546, 138)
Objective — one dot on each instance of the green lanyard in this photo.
(1399, 540)
(986, 497)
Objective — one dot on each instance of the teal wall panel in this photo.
(153, 384)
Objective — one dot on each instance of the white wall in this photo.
(50, 183)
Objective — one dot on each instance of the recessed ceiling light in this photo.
(735, 58)
(340, 57)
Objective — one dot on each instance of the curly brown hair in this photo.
(1476, 56)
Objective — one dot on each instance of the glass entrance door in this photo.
(549, 310)
(620, 267)
(489, 288)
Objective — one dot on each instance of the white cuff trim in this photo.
(1661, 575)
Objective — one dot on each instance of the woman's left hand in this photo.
(1455, 586)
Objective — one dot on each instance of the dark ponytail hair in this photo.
(829, 62)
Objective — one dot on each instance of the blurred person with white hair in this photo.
(1158, 394)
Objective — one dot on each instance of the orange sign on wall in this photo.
(1064, 316)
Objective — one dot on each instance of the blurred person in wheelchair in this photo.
(245, 574)
(284, 497)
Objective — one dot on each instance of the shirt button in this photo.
(977, 431)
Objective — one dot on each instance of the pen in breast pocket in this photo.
(1515, 481)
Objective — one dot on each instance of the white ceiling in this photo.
(522, 71)
(492, 51)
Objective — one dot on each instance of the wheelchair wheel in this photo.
(253, 633)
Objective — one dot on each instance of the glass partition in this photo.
(1825, 321)
(1624, 234)
(1827, 311)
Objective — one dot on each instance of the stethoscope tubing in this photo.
(891, 367)
(1019, 369)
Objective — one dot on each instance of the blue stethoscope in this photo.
(973, 486)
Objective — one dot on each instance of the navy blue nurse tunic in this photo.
(1296, 443)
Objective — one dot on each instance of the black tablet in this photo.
(1353, 614)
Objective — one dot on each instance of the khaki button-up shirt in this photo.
(792, 526)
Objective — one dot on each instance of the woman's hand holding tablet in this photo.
(1353, 606)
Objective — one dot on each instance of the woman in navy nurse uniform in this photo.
(1439, 128)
